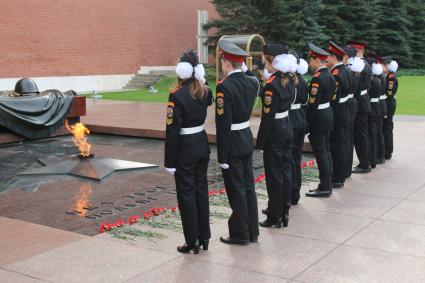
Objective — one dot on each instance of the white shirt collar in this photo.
(337, 64)
(234, 71)
(318, 69)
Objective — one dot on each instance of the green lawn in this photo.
(410, 95)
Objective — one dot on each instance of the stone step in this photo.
(142, 81)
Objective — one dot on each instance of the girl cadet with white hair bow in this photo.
(275, 132)
(375, 91)
(298, 120)
(187, 151)
(391, 91)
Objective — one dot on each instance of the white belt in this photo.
(190, 131)
(240, 126)
(343, 99)
(363, 92)
(383, 97)
(323, 105)
(295, 106)
(351, 95)
(281, 115)
(374, 100)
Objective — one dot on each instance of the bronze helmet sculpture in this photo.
(26, 86)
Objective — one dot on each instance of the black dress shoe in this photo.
(360, 170)
(319, 194)
(388, 156)
(337, 185)
(373, 166)
(204, 244)
(294, 202)
(285, 219)
(233, 241)
(186, 248)
(268, 223)
(265, 211)
(254, 239)
(380, 161)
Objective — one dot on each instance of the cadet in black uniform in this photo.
(320, 118)
(187, 151)
(391, 91)
(236, 95)
(353, 78)
(298, 118)
(361, 131)
(375, 91)
(341, 113)
(275, 132)
(380, 153)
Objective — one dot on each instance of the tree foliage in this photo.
(390, 27)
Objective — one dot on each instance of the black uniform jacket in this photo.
(383, 102)
(391, 91)
(322, 86)
(275, 99)
(298, 116)
(234, 102)
(352, 102)
(375, 92)
(339, 99)
(184, 111)
(363, 101)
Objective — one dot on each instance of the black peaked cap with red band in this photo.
(334, 49)
(231, 51)
(275, 49)
(357, 44)
(318, 52)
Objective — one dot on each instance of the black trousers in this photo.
(192, 197)
(361, 139)
(380, 140)
(388, 135)
(321, 149)
(278, 168)
(339, 152)
(350, 150)
(373, 139)
(239, 182)
(297, 148)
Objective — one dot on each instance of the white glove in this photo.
(170, 170)
(224, 166)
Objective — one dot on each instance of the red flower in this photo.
(222, 191)
(133, 219)
(103, 227)
(174, 209)
(147, 215)
(260, 178)
(311, 163)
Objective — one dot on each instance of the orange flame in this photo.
(79, 132)
(81, 199)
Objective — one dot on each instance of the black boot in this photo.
(186, 248)
(265, 211)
